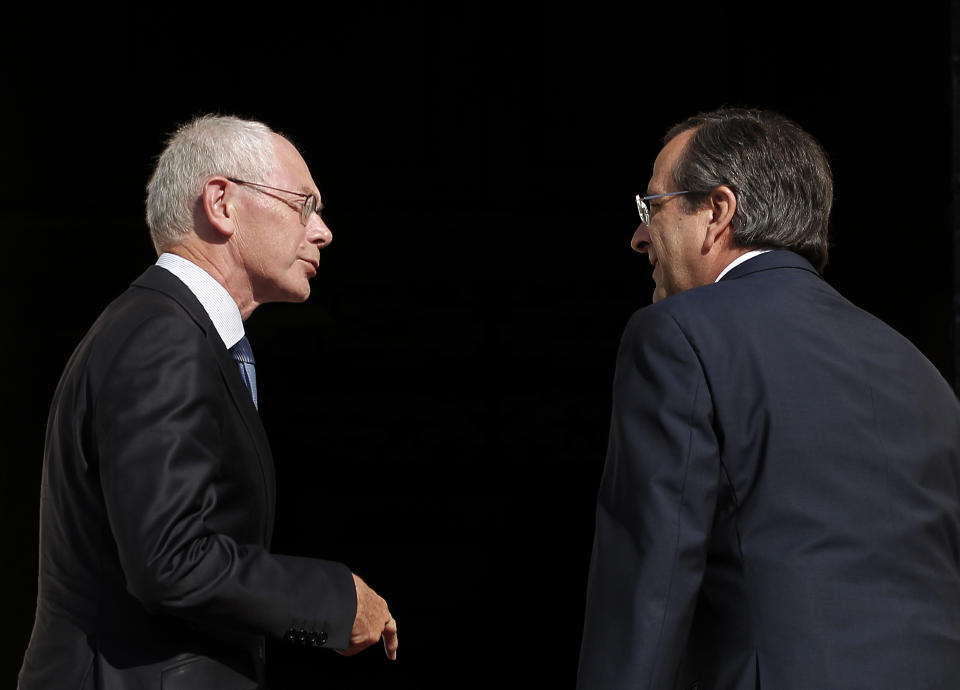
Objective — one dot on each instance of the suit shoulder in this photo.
(773, 289)
(140, 323)
(671, 312)
(139, 308)
(659, 326)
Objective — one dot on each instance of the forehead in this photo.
(290, 165)
(662, 178)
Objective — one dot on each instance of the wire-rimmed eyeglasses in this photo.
(310, 203)
(644, 210)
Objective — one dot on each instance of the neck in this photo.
(217, 260)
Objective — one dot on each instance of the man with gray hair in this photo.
(780, 504)
(157, 501)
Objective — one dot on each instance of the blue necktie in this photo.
(243, 354)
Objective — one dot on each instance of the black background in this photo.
(438, 409)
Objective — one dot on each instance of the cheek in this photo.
(671, 244)
(665, 252)
(298, 239)
(284, 245)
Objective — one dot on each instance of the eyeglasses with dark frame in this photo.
(311, 204)
(644, 210)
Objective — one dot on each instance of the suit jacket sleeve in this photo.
(655, 509)
(186, 518)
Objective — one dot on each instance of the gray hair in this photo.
(778, 172)
(207, 146)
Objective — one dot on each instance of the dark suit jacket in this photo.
(780, 506)
(157, 508)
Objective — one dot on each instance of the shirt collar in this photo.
(739, 260)
(214, 298)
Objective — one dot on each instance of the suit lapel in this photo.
(161, 280)
(251, 418)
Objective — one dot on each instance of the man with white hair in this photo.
(158, 497)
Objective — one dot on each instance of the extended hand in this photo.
(373, 621)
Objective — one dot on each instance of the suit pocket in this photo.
(203, 673)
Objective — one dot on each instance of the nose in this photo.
(318, 233)
(641, 239)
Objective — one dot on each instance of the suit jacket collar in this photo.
(162, 280)
(778, 258)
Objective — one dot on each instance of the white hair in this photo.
(207, 146)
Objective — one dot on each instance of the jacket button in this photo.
(323, 638)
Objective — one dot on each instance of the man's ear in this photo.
(722, 204)
(218, 205)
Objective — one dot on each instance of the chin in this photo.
(299, 296)
(292, 295)
(299, 291)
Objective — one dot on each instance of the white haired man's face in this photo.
(278, 252)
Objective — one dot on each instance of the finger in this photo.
(390, 641)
